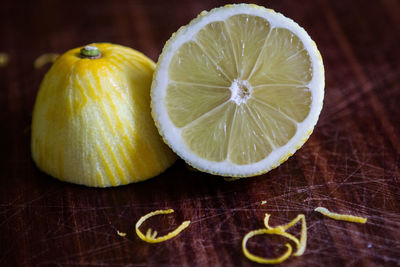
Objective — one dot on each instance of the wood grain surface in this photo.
(350, 164)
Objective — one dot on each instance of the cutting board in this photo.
(349, 165)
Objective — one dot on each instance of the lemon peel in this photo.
(340, 217)
(263, 202)
(150, 236)
(272, 231)
(45, 59)
(300, 244)
(121, 233)
(91, 122)
(3, 59)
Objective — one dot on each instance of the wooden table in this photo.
(350, 164)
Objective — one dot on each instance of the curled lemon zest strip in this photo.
(341, 217)
(300, 244)
(150, 236)
(3, 59)
(121, 233)
(266, 221)
(44, 59)
(263, 202)
(258, 259)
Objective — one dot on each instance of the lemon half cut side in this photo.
(238, 90)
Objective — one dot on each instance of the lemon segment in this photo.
(182, 97)
(248, 34)
(238, 90)
(215, 42)
(247, 151)
(292, 101)
(191, 65)
(283, 60)
(208, 136)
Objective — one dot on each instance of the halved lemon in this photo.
(238, 90)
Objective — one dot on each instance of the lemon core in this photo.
(240, 91)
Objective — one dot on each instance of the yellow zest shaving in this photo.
(258, 259)
(263, 202)
(3, 60)
(300, 244)
(151, 237)
(121, 233)
(45, 59)
(341, 217)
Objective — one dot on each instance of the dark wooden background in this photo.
(350, 164)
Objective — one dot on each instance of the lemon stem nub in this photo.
(90, 52)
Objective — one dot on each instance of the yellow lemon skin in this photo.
(92, 122)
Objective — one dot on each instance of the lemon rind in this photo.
(87, 172)
(340, 217)
(271, 231)
(151, 237)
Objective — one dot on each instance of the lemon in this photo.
(238, 90)
(91, 121)
(3, 59)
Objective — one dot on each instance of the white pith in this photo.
(240, 91)
(172, 134)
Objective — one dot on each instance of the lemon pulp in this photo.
(239, 89)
